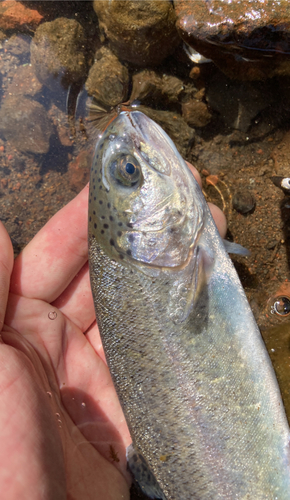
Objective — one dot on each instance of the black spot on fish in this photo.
(103, 217)
(94, 212)
(112, 242)
(102, 231)
(101, 145)
(131, 238)
(95, 171)
(95, 225)
(128, 252)
(94, 187)
(109, 205)
(105, 226)
(90, 218)
(101, 187)
(99, 179)
(95, 198)
(121, 256)
(120, 224)
(111, 218)
(101, 202)
(119, 233)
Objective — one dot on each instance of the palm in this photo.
(62, 430)
(57, 376)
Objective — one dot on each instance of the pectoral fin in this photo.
(232, 247)
(186, 290)
(143, 475)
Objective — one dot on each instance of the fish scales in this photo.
(190, 368)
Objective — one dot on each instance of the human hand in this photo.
(62, 430)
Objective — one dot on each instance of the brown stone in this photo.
(196, 113)
(108, 79)
(14, 15)
(142, 32)
(248, 39)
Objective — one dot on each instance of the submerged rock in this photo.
(248, 39)
(58, 53)
(141, 32)
(108, 79)
(25, 124)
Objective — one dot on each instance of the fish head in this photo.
(145, 204)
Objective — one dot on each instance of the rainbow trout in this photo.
(189, 365)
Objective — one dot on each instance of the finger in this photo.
(6, 265)
(76, 302)
(195, 173)
(219, 218)
(55, 255)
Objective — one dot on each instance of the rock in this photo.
(247, 40)
(148, 84)
(79, 170)
(142, 32)
(237, 102)
(16, 16)
(61, 125)
(24, 82)
(175, 126)
(244, 202)
(24, 123)
(18, 45)
(196, 113)
(58, 53)
(108, 79)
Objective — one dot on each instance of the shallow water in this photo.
(242, 139)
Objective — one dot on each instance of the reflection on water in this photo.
(232, 124)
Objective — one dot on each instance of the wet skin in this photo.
(62, 431)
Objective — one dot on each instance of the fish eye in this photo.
(126, 170)
(285, 183)
(281, 306)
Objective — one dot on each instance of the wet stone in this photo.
(58, 53)
(243, 44)
(24, 123)
(108, 79)
(24, 82)
(196, 113)
(15, 15)
(18, 45)
(79, 170)
(142, 32)
(244, 202)
(149, 85)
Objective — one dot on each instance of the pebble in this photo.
(244, 202)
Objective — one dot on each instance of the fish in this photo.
(187, 359)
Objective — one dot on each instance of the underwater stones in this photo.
(14, 15)
(147, 84)
(244, 202)
(24, 82)
(141, 32)
(58, 53)
(196, 113)
(247, 40)
(108, 78)
(24, 123)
